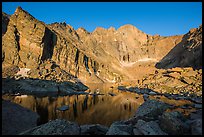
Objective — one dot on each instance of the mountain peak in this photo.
(111, 29)
(127, 26)
(99, 30)
(18, 9)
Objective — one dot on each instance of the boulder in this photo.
(196, 127)
(136, 131)
(151, 109)
(63, 108)
(196, 115)
(145, 97)
(119, 128)
(173, 123)
(55, 127)
(175, 75)
(16, 119)
(122, 88)
(149, 128)
(94, 129)
(152, 93)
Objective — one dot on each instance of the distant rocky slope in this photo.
(188, 53)
(104, 55)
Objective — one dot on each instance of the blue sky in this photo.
(163, 18)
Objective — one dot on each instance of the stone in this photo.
(177, 69)
(189, 80)
(198, 106)
(197, 100)
(137, 131)
(149, 128)
(145, 97)
(196, 115)
(16, 119)
(63, 108)
(196, 127)
(175, 75)
(173, 123)
(80, 86)
(55, 127)
(93, 129)
(152, 93)
(151, 109)
(119, 128)
(41, 87)
(122, 88)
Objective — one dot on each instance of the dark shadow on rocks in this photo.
(39, 87)
(187, 53)
(49, 41)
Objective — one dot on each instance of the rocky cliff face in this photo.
(28, 43)
(5, 20)
(128, 44)
(105, 55)
(187, 53)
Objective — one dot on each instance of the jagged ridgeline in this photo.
(104, 55)
(29, 43)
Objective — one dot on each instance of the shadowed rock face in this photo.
(105, 55)
(187, 53)
(5, 20)
(16, 119)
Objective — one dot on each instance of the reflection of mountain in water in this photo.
(84, 109)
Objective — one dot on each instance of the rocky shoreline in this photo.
(153, 117)
(39, 87)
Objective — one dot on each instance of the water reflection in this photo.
(84, 109)
(103, 108)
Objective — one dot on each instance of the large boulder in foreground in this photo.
(120, 128)
(16, 119)
(55, 127)
(196, 127)
(149, 128)
(174, 123)
(93, 129)
(151, 109)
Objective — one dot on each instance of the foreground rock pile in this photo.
(16, 119)
(151, 118)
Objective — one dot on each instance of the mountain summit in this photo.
(105, 55)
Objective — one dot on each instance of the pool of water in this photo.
(111, 105)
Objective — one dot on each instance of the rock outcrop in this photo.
(29, 43)
(41, 88)
(173, 123)
(5, 20)
(16, 119)
(105, 55)
(187, 53)
(55, 127)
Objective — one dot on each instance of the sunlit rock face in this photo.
(104, 55)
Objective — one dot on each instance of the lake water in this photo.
(112, 105)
